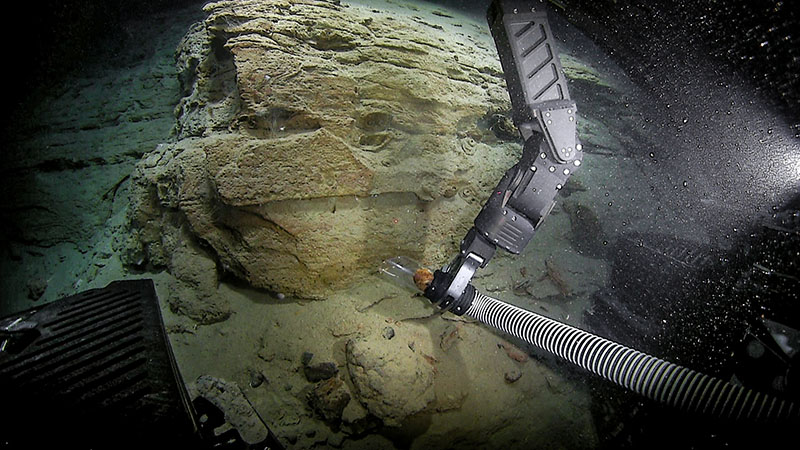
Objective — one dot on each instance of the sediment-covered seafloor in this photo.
(260, 163)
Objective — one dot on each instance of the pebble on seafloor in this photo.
(388, 333)
(306, 358)
(36, 288)
(256, 378)
(319, 371)
(513, 352)
(512, 376)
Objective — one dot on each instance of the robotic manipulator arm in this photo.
(546, 119)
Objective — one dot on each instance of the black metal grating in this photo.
(99, 370)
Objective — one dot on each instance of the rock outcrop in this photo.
(315, 139)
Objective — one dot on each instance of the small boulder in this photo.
(329, 398)
(390, 380)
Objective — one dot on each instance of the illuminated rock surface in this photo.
(314, 140)
(391, 380)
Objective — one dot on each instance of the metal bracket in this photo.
(558, 121)
(465, 267)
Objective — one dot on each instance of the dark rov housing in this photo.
(95, 371)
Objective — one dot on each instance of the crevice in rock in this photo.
(277, 122)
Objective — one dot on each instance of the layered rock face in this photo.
(315, 139)
(70, 144)
(73, 145)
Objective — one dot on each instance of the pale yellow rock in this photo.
(316, 139)
(391, 381)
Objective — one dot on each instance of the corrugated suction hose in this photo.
(652, 377)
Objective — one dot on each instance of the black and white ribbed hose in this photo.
(654, 378)
(647, 375)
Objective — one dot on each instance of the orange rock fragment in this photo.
(422, 278)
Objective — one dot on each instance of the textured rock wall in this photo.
(315, 139)
(68, 153)
(69, 146)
